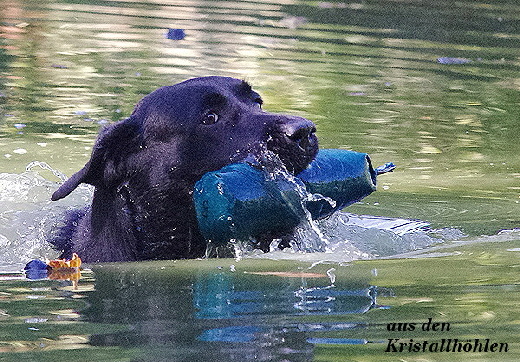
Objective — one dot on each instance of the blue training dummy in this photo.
(241, 201)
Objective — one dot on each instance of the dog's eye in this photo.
(210, 118)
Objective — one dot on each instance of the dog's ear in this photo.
(106, 165)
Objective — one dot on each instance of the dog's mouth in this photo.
(294, 140)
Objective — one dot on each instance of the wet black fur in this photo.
(144, 167)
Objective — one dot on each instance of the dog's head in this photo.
(185, 130)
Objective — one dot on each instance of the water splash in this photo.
(27, 216)
(309, 236)
(348, 236)
(28, 219)
(45, 166)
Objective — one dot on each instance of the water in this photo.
(430, 86)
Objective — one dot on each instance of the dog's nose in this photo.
(299, 129)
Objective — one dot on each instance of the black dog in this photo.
(144, 167)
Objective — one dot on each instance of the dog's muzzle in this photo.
(294, 140)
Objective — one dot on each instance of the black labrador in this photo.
(144, 168)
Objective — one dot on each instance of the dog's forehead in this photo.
(222, 85)
(189, 98)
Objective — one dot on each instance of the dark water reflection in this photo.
(226, 313)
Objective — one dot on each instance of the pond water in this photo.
(432, 86)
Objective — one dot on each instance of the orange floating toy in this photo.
(75, 262)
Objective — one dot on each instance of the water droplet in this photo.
(331, 275)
